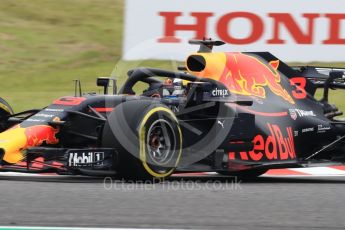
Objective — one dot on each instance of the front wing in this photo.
(92, 161)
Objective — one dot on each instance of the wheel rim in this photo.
(160, 142)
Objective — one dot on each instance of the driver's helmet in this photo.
(175, 88)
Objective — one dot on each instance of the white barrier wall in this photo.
(294, 30)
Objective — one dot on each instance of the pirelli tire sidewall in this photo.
(5, 107)
(127, 129)
(5, 111)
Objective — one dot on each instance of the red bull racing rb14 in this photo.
(237, 114)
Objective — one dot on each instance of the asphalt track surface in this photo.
(181, 202)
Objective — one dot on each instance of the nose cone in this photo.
(12, 144)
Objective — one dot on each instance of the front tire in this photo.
(148, 138)
(5, 111)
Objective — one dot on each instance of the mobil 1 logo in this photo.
(84, 158)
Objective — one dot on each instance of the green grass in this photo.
(45, 44)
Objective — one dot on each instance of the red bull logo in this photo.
(241, 73)
(246, 75)
(38, 134)
(13, 141)
(277, 145)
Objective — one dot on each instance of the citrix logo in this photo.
(220, 92)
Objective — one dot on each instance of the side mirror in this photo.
(106, 82)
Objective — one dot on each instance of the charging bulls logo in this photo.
(246, 75)
(38, 134)
(16, 139)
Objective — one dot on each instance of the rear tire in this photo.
(147, 137)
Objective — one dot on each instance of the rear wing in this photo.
(323, 77)
(326, 78)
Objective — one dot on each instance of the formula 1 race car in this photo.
(238, 114)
